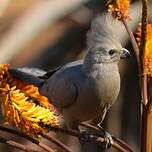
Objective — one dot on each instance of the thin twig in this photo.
(94, 138)
(144, 95)
(21, 134)
(120, 147)
(55, 141)
(18, 145)
(144, 125)
(118, 143)
(149, 125)
(142, 52)
(133, 42)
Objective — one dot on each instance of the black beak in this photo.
(125, 53)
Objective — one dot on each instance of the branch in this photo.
(117, 144)
(144, 126)
(29, 138)
(140, 56)
(17, 145)
(142, 52)
(55, 141)
(149, 126)
(94, 138)
(133, 42)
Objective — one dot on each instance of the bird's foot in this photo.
(85, 137)
(107, 137)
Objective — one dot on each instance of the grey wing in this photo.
(61, 88)
(63, 93)
(33, 71)
(33, 76)
(29, 75)
(48, 74)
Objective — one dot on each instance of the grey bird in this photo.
(84, 89)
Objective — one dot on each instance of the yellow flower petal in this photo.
(23, 106)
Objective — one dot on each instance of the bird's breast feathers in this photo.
(106, 83)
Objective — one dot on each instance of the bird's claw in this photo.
(85, 137)
(108, 140)
(107, 137)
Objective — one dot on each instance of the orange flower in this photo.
(29, 90)
(119, 8)
(148, 50)
(23, 106)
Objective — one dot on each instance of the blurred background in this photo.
(49, 33)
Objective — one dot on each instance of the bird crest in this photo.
(103, 32)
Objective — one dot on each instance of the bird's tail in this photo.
(27, 77)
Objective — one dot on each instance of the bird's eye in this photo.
(112, 51)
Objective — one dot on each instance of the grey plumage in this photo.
(103, 32)
(30, 75)
(85, 89)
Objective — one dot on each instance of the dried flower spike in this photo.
(119, 9)
(20, 111)
(31, 91)
(24, 107)
(148, 50)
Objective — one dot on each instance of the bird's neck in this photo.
(94, 70)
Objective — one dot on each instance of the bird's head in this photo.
(103, 42)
